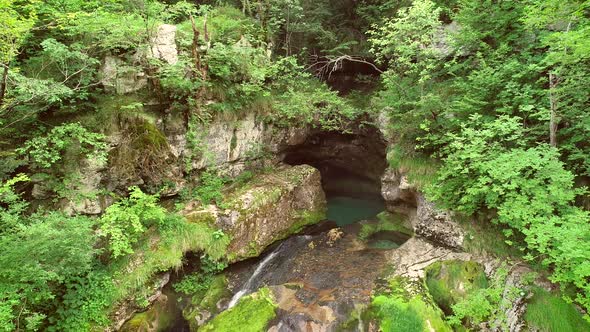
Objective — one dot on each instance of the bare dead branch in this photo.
(329, 64)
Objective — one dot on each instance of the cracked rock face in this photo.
(396, 189)
(119, 77)
(412, 258)
(429, 222)
(164, 44)
(437, 225)
(231, 145)
(267, 209)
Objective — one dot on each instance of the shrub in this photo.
(12, 206)
(487, 166)
(47, 150)
(124, 222)
(210, 186)
(486, 304)
(451, 281)
(38, 262)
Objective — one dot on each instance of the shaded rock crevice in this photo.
(427, 219)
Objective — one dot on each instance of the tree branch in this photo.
(330, 65)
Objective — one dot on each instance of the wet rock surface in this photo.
(318, 281)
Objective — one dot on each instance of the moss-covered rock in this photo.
(386, 221)
(404, 305)
(137, 275)
(268, 208)
(203, 304)
(451, 281)
(142, 154)
(251, 314)
(157, 318)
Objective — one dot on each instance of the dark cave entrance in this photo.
(351, 165)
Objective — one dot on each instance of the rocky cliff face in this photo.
(428, 221)
(231, 144)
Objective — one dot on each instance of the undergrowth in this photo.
(549, 313)
(419, 169)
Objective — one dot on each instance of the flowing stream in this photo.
(247, 288)
(265, 271)
(333, 275)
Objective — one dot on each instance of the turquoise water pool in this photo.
(347, 210)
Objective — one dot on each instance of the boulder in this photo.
(413, 257)
(270, 207)
(428, 221)
(437, 225)
(396, 189)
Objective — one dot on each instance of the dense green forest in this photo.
(487, 103)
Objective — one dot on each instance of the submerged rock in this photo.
(304, 315)
(318, 280)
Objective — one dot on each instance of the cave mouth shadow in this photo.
(351, 166)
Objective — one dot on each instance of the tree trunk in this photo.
(3, 84)
(200, 70)
(553, 106)
(246, 8)
(195, 46)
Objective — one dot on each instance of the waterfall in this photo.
(250, 285)
(246, 288)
